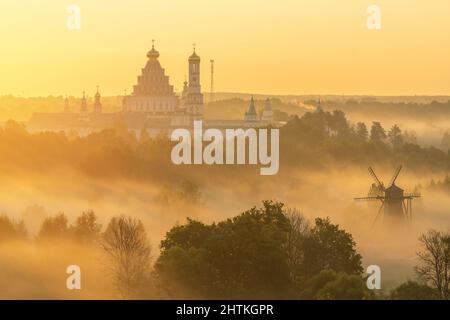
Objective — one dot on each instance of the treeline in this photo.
(270, 252)
(372, 108)
(108, 153)
(324, 138)
(440, 185)
(318, 139)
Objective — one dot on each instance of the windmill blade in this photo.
(369, 198)
(378, 214)
(374, 176)
(394, 177)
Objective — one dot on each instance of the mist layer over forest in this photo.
(323, 167)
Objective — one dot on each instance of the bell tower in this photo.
(97, 103)
(194, 99)
(194, 72)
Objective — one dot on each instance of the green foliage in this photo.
(331, 285)
(328, 136)
(241, 257)
(115, 152)
(412, 290)
(330, 247)
(264, 252)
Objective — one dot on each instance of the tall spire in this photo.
(251, 114)
(319, 106)
(83, 108)
(97, 103)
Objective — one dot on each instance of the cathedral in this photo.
(153, 98)
(153, 106)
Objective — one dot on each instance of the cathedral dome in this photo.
(194, 57)
(153, 80)
(153, 54)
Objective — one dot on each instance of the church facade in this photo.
(152, 105)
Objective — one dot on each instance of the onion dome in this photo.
(153, 54)
(194, 57)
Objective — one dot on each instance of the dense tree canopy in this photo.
(258, 254)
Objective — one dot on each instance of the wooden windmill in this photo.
(393, 204)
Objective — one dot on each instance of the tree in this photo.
(434, 267)
(242, 257)
(445, 143)
(263, 253)
(86, 230)
(338, 123)
(331, 285)
(11, 230)
(330, 247)
(409, 137)
(299, 232)
(412, 290)
(126, 245)
(395, 136)
(377, 133)
(361, 131)
(54, 227)
(189, 192)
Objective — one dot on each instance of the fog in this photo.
(38, 271)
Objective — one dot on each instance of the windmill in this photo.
(392, 199)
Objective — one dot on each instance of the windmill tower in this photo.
(393, 205)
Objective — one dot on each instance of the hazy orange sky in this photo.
(260, 46)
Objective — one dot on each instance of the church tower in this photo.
(66, 105)
(83, 107)
(194, 99)
(267, 114)
(251, 115)
(97, 103)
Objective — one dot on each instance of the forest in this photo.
(270, 252)
(324, 135)
(158, 230)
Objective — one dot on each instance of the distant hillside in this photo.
(234, 105)
(337, 98)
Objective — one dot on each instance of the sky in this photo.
(259, 46)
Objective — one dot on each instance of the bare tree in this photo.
(125, 242)
(434, 259)
(299, 231)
